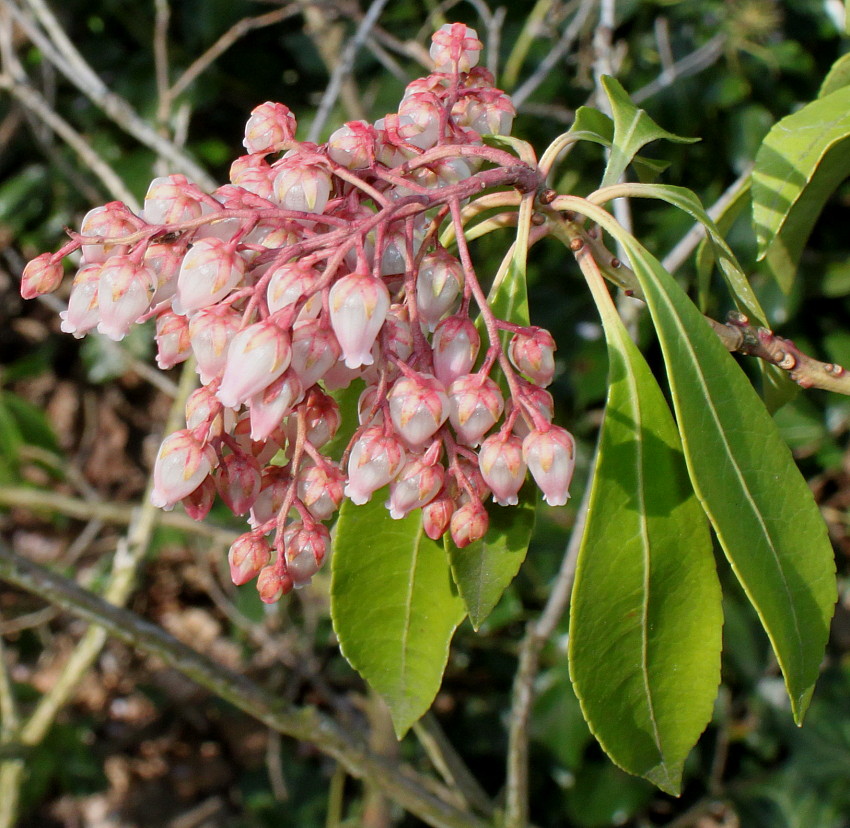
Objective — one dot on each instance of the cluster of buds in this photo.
(316, 267)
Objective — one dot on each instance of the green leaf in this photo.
(633, 129)
(758, 502)
(837, 77)
(687, 201)
(800, 164)
(646, 618)
(393, 605)
(484, 569)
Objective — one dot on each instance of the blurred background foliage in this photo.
(138, 745)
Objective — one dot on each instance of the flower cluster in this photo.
(316, 267)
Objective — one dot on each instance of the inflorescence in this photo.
(315, 267)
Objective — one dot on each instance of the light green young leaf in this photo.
(645, 618)
(758, 502)
(484, 569)
(633, 129)
(393, 605)
(801, 162)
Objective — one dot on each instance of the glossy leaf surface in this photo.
(801, 162)
(394, 606)
(646, 618)
(484, 569)
(758, 502)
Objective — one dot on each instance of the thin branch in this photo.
(522, 697)
(691, 64)
(41, 500)
(568, 39)
(737, 335)
(398, 782)
(343, 68)
(62, 53)
(234, 33)
(160, 56)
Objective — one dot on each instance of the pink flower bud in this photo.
(417, 483)
(112, 221)
(210, 333)
(438, 286)
(437, 515)
(273, 584)
(204, 410)
(487, 112)
(418, 407)
(551, 458)
(276, 401)
(353, 145)
(83, 313)
(238, 481)
(257, 356)
(171, 199)
(294, 282)
(537, 399)
(375, 459)
(270, 125)
(469, 523)
(533, 354)
(320, 489)
(358, 306)
(164, 260)
(301, 185)
(172, 340)
(254, 174)
(263, 451)
(274, 485)
(41, 276)
(322, 418)
(396, 339)
(306, 548)
(314, 350)
(124, 294)
(455, 347)
(475, 407)
(455, 48)
(248, 554)
(424, 113)
(181, 466)
(211, 269)
(502, 467)
(198, 503)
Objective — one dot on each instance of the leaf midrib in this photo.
(739, 474)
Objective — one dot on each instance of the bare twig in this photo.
(397, 781)
(343, 68)
(232, 35)
(522, 697)
(568, 38)
(57, 47)
(691, 64)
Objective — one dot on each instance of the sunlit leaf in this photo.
(800, 164)
(394, 606)
(484, 569)
(645, 623)
(633, 129)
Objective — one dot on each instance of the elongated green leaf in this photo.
(646, 618)
(759, 504)
(804, 157)
(633, 129)
(393, 605)
(484, 569)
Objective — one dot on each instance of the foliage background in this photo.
(138, 745)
